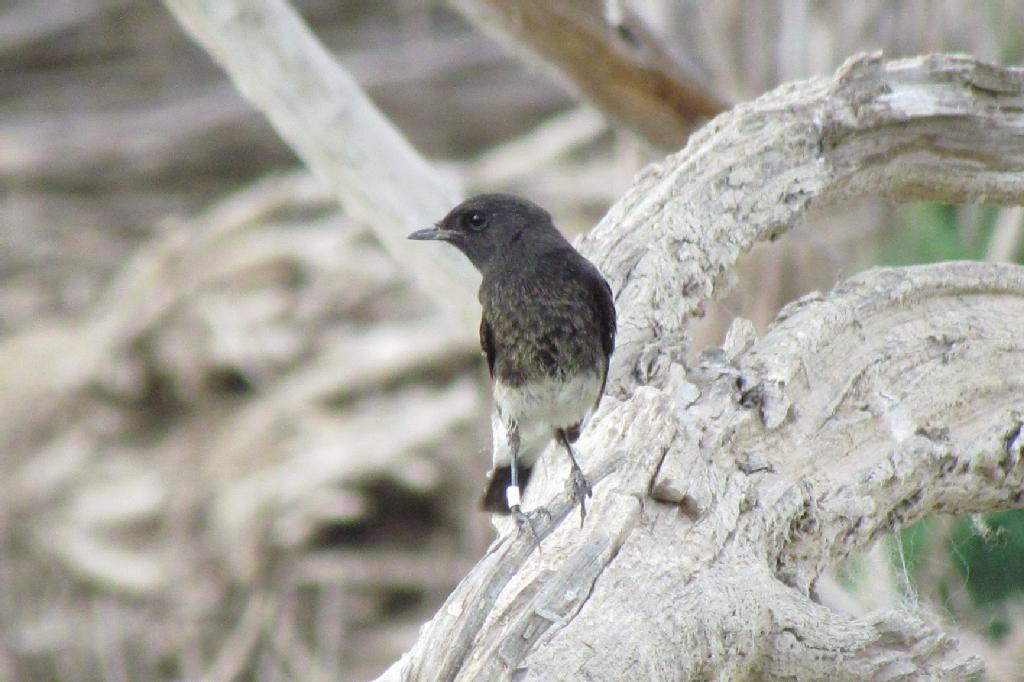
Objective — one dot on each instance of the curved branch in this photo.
(795, 450)
(942, 127)
(912, 378)
(728, 509)
(692, 507)
(808, 641)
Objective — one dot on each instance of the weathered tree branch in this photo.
(719, 502)
(616, 62)
(944, 128)
(719, 499)
(712, 519)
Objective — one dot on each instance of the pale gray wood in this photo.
(944, 128)
(722, 493)
(318, 108)
(721, 497)
(897, 395)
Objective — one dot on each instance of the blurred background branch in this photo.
(612, 58)
(320, 110)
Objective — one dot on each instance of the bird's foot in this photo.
(581, 490)
(524, 522)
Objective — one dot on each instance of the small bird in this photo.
(547, 332)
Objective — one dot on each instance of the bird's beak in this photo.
(434, 233)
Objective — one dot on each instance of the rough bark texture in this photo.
(943, 128)
(722, 493)
(240, 443)
(718, 503)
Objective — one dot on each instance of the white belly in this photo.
(539, 409)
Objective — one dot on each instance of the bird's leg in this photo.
(512, 491)
(581, 489)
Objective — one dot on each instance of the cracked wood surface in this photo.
(726, 514)
(722, 493)
(943, 128)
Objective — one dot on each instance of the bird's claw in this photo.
(581, 490)
(523, 521)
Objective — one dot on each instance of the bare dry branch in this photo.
(617, 63)
(944, 128)
(719, 502)
(718, 505)
(713, 519)
(318, 108)
(204, 422)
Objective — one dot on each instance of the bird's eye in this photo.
(476, 220)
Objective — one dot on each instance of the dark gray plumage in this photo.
(547, 331)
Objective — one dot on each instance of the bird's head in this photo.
(491, 225)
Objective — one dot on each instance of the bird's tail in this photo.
(494, 499)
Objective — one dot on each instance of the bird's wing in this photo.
(487, 344)
(602, 294)
(606, 308)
